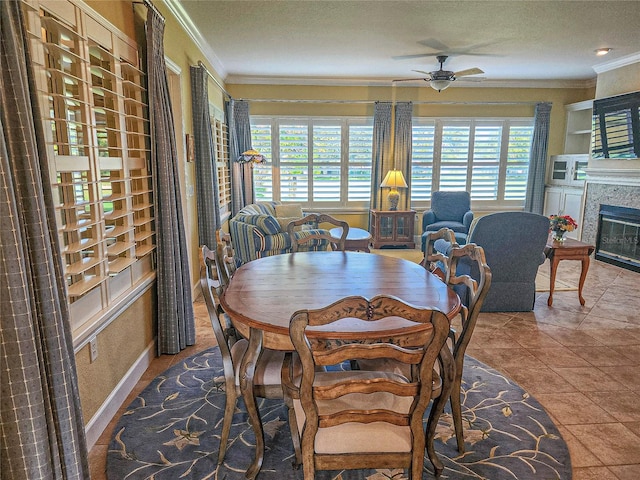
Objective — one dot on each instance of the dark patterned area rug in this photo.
(172, 429)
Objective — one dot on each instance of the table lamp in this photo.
(251, 156)
(394, 180)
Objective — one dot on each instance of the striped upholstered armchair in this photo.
(256, 233)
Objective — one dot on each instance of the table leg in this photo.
(583, 275)
(552, 278)
(247, 371)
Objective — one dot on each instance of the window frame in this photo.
(504, 161)
(275, 162)
(506, 124)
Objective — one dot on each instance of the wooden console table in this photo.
(570, 249)
(392, 228)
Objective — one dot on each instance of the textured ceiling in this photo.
(366, 41)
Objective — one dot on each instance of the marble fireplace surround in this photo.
(608, 186)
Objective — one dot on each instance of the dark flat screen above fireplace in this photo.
(618, 240)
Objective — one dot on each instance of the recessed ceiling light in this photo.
(602, 51)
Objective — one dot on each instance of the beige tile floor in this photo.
(581, 363)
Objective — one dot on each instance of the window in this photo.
(95, 116)
(323, 162)
(487, 157)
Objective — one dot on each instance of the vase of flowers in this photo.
(559, 225)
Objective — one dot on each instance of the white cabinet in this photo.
(567, 173)
(565, 185)
(565, 201)
(578, 131)
(569, 170)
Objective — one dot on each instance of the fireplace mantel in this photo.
(614, 176)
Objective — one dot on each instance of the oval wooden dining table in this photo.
(264, 293)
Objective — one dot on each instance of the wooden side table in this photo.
(392, 228)
(357, 239)
(570, 249)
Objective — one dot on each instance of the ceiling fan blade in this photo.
(468, 71)
(411, 80)
(471, 79)
(417, 55)
(422, 71)
(434, 44)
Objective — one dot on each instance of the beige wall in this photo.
(119, 346)
(437, 107)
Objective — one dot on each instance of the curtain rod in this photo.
(202, 65)
(148, 4)
(354, 102)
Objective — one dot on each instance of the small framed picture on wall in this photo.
(191, 148)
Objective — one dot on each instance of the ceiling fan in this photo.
(441, 79)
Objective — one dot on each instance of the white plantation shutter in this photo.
(487, 157)
(518, 152)
(261, 141)
(294, 163)
(336, 151)
(359, 168)
(423, 138)
(454, 157)
(486, 161)
(326, 162)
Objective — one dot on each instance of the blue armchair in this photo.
(513, 244)
(451, 210)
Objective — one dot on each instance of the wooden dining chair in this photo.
(362, 419)
(317, 234)
(434, 261)
(268, 370)
(476, 291)
(229, 261)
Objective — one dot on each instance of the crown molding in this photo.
(618, 63)
(185, 22)
(386, 82)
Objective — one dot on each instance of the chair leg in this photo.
(295, 435)
(447, 370)
(229, 407)
(286, 374)
(456, 412)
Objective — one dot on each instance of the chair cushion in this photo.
(453, 225)
(269, 368)
(450, 205)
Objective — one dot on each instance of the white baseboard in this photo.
(106, 412)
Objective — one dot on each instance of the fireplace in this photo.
(618, 238)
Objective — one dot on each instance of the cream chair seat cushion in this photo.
(269, 366)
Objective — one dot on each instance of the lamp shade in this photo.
(394, 179)
(251, 156)
(440, 85)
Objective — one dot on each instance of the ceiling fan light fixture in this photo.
(440, 85)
